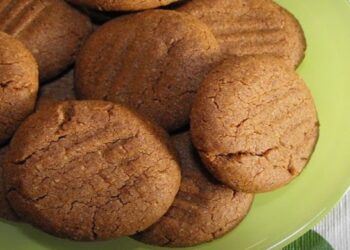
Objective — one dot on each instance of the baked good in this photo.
(203, 209)
(18, 84)
(135, 60)
(61, 89)
(51, 29)
(123, 5)
(5, 210)
(98, 17)
(254, 123)
(251, 27)
(88, 170)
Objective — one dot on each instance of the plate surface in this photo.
(279, 217)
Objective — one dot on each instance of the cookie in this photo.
(96, 16)
(18, 84)
(251, 27)
(90, 170)
(135, 60)
(5, 210)
(254, 123)
(123, 5)
(62, 89)
(203, 209)
(52, 30)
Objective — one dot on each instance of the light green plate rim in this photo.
(279, 217)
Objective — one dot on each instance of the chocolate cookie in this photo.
(5, 210)
(51, 29)
(254, 123)
(18, 84)
(62, 89)
(123, 5)
(203, 209)
(135, 60)
(251, 27)
(90, 170)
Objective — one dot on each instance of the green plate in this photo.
(279, 217)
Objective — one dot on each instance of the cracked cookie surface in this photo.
(18, 85)
(254, 123)
(153, 61)
(89, 170)
(251, 27)
(203, 209)
(5, 210)
(51, 29)
(123, 5)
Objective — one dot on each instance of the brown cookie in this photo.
(203, 209)
(254, 123)
(98, 17)
(18, 85)
(90, 170)
(62, 89)
(123, 5)
(135, 60)
(5, 210)
(51, 29)
(251, 27)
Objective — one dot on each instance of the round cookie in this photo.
(5, 210)
(123, 5)
(203, 209)
(90, 170)
(251, 27)
(51, 29)
(254, 123)
(18, 84)
(135, 60)
(62, 89)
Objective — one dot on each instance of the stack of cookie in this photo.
(172, 119)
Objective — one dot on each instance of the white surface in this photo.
(335, 228)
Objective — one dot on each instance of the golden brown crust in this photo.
(203, 209)
(51, 29)
(123, 5)
(254, 123)
(137, 61)
(61, 89)
(251, 27)
(18, 85)
(90, 170)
